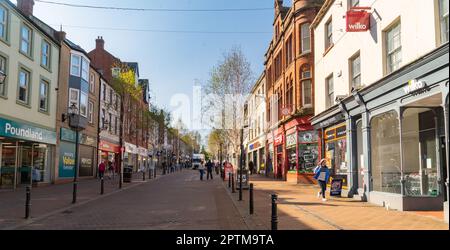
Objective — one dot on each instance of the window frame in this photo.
(92, 83)
(91, 110)
(389, 53)
(77, 102)
(352, 71)
(330, 101)
(303, 38)
(329, 34)
(443, 23)
(47, 97)
(72, 65)
(29, 52)
(5, 23)
(28, 89)
(4, 91)
(351, 4)
(83, 94)
(85, 66)
(49, 54)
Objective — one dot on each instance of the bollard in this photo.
(251, 199)
(143, 175)
(229, 180)
(28, 202)
(74, 194)
(102, 186)
(150, 174)
(233, 184)
(274, 212)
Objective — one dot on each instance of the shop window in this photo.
(308, 151)
(291, 150)
(420, 168)
(385, 148)
(393, 48)
(443, 16)
(336, 150)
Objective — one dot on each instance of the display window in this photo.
(291, 151)
(308, 149)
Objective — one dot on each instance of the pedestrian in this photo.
(251, 166)
(322, 175)
(209, 168)
(101, 169)
(164, 166)
(112, 170)
(201, 168)
(217, 167)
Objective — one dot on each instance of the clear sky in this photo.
(171, 61)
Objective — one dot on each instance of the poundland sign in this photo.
(26, 132)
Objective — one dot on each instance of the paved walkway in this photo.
(299, 208)
(177, 201)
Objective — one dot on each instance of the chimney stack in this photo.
(26, 6)
(61, 36)
(100, 43)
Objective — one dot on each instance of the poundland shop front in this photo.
(26, 153)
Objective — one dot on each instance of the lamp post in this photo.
(241, 164)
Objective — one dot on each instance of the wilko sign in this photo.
(358, 20)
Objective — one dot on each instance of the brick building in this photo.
(291, 140)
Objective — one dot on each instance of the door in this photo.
(8, 164)
(24, 166)
(360, 157)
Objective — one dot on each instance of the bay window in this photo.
(74, 96)
(85, 69)
(83, 104)
(75, 65)
(305, 38)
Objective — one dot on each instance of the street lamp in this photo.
(2, 77)
(241, 164)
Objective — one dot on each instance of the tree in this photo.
(226, 93)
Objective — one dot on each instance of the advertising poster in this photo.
(336, 187)
(66, 160)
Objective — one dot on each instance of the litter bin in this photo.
(127, 174)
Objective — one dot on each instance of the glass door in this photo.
(39, 172)
(8, 164)
(24, 165)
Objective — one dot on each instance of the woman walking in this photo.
(322, 175)
(201, 168)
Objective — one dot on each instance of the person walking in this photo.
(322, 175)
(101, 169)
(201, 168)
(112, 170)
(209, 169)
(251, 166)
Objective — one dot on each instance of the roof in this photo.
(76, 47)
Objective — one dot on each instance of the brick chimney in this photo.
(26, 6)
(61, 35)
(100, 43)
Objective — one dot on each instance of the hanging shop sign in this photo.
(27, 132)
(358, 20)
(279, 140)
(308, 137)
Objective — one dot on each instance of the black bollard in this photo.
(233, 189)
(143, 175)
(229, 180)
(102, 186)
(74, 194)
(274, 212)
(251, 199)
(28, 202)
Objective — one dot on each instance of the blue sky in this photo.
(171, 61)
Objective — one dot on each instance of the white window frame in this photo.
(84, 105)
(84, 69)
(75, 69)
(46, 55)
(73, 101)
(330, 101)
(329, 33)
(305, 37)
(28, 79)
(92, 83)
(394, 51)
(4, 68)
(91, 112)
(47, 84)
(4, 23)
(354, 76)
(28, 41)
(304, 104)
(444, 22)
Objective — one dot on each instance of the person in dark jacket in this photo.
(209, 169)
(322, 175)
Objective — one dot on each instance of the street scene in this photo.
(265, 115)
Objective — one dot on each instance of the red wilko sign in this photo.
(358, 20)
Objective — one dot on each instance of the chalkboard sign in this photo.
(336, 187)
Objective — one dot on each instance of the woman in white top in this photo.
(201, 168)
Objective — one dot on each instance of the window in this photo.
(306, 38)
(307, 93)
(104, 92)
(393, 48)
(385, 148)
(290, 94)
(110, 96)
(3, 23)
(116, 127)
(24, 86)
(84, 69)
(43, 96)
(355, 71)
(117, 102)
(45, 54)
(289, 56)
(74, 97)
(3, 69)
(353, 3)
(330, 91)
(84, 104)
(75, 65)
(328, 34)
(110, 122)
(278, 65)
(443, 14)
(102, 121)
(91, 112)
(25, 40)
(92, 83)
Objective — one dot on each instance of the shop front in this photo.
(279, 164)
(88, 159)
(131, 154)
(396, 137)
(255, 150)
(26, 154)
(143, 158)
(109, 152)
(270, 154)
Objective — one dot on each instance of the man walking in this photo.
(101, 169)
(209, 169)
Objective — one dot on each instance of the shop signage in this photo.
(358, 20)
(66, 160)
(130, 148)
(143, 152)
(106, 146)
(23, 131)
(341, 131)
(308, 137)
(88, 140)
(336, 187)
(254, 146)
(279, 140)
(414, 86)
(291, 140)
(68, 135)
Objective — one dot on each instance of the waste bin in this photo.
(127, 174)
